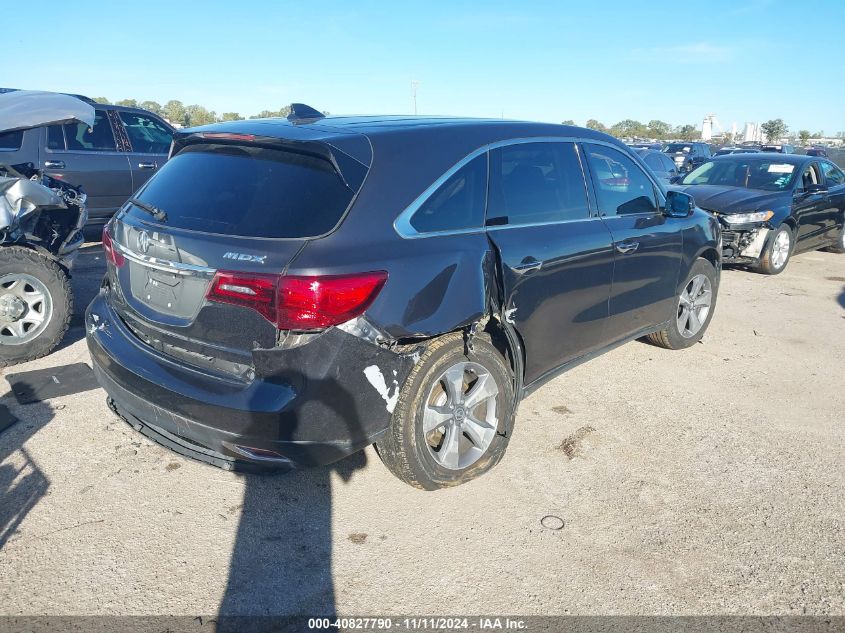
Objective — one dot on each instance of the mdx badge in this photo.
(244, 257)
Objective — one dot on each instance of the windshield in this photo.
(674, 148)
(766, 175)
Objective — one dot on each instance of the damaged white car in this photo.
(41, 220)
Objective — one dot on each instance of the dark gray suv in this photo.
(286, 292)
(108, 161)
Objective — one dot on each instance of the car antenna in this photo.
(301, 113)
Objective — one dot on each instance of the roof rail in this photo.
(301, 113)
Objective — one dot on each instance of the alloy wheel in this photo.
(26, 308)
(780, 249)
(460, 415)
(694, 305)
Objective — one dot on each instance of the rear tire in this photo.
(36, 303)
(693, 309)
(777, 252)
(431, 418)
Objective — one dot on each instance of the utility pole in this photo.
(414, 84)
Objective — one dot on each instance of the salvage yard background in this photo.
(703, 481)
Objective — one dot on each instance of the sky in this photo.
(677, 61)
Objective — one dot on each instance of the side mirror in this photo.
(676, 179)
(698, 160)
(811, 189)
(679, 205)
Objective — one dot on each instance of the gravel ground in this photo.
(697, 482)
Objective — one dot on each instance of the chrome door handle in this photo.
(146, 165)
(54, 164)
(528, 265)
(627, 247)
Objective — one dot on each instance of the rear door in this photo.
(556, 260)
(835, 182)
(810, 209)
(91, 158)
(149, 142)
(647, 244)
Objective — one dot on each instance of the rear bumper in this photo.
(309, 405)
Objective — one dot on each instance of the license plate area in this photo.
(161, 290)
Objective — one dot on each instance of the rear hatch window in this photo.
(248, 191)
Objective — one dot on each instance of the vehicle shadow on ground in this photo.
(87, 274)
(281, 563)
(22, 483)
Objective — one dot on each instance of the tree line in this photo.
(189, 115)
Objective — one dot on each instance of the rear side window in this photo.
(146, 134)
(458, 203)
(11, 140)
(98, 138)
(534, 183)
(247, 191)
(55, 137)
(832, 174)
(622, 188)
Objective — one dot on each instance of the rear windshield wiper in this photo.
(154, 211)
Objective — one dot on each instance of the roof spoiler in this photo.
(301, 113)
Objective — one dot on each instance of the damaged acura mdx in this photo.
(287, 292)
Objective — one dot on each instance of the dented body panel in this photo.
(312, 404)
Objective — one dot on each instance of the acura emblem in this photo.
(143, 241)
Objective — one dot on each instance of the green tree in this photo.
(102, 100)
(151, 106)
(659, 129)
(568, 122)
(198, 115)
(174, 111)
(687, 132)
(774, 129)
(628, 128)
(804, 136)
(231, 116)
(596, 125)
(131, 103)
(268, 114)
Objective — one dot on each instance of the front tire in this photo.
(777, 252)
(453, 416)
(693, 311)
(35, 305)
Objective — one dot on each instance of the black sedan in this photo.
(771, 206)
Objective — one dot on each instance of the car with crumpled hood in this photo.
(109, 158)
(771, 206)
(286, 292)
(41, 222)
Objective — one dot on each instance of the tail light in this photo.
(299, 302)
(112, 255)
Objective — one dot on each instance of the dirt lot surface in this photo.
(697, 482)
